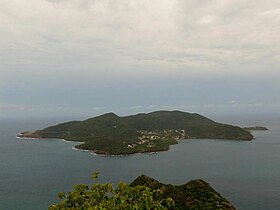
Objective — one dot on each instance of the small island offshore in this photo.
(110, 134)
(256, 128)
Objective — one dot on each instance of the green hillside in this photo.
(194, 195)
(110, 134)
(143, 193)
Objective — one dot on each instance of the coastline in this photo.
(96, 153)
(92, 152)
(33, 138)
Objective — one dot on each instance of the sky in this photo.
(83, 58)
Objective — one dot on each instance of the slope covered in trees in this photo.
(196, 194)
(143, 193)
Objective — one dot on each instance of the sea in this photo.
(32, 172)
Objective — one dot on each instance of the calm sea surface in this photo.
(33, 171)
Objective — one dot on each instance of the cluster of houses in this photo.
(147, 137)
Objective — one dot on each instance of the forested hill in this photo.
(196, 194)
(143, 193)
(110, 134)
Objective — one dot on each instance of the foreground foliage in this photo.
(144, 193)
(106, 196)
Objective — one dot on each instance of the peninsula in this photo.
(110, 134)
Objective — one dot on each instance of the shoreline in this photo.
(92, 152)
(33, 138)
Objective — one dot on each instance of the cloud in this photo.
(160, 52)
(271, 13)
(93, 35)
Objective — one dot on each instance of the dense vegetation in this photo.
(106, 196)
(113, 135)
(195, 195)
(143, 193)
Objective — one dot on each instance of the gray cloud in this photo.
(204, 34)
(102, 44)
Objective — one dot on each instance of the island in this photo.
(110, 134)
(256, 128)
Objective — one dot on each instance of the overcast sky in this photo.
(87, 57)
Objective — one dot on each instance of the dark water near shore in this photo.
(33, 171)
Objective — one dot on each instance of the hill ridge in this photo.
(196, 194)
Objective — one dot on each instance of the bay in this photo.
(32, 172)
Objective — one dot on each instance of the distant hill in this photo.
(196, 194)
(110, 134)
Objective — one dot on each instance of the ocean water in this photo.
(32, 172)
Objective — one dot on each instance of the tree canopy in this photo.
(106, 196)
